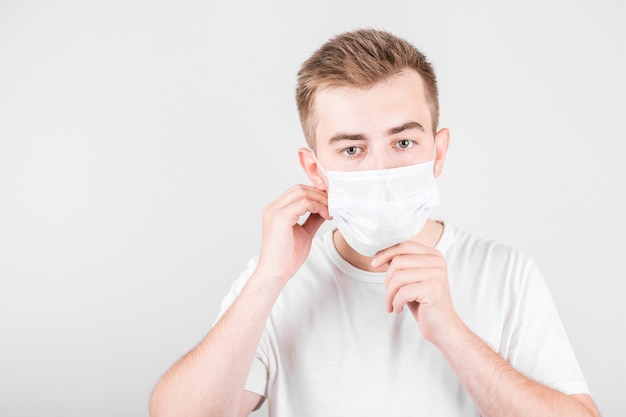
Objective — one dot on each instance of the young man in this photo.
(389, 313)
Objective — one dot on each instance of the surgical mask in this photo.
(376, 209)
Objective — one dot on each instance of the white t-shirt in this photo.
(331, 349)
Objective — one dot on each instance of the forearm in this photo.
(497, 388)
(210, 379)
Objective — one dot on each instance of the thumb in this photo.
(312, 224)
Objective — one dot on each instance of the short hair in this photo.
(360, 59)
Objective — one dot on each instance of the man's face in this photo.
(385, 126)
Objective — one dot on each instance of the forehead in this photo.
(370, 111)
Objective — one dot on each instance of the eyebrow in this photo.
(346, 136)
(406, 126)
(393, 131)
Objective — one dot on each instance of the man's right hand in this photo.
(210, 379)
(286, 243)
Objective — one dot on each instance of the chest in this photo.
(343, 354)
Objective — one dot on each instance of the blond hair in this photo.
(360, 59)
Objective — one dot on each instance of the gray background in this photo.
(139, 141)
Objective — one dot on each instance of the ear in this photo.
(442, 139)
(311, 168)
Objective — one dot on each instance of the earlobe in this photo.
(311, 168)
(442, 140)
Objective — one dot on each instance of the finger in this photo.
(409, 294)
(313, 223)
(405, 278)
(301, 207)
(408, 247)
(410, 261)
(303, 201)
(400, 279)
(427, 293)
(299, 192)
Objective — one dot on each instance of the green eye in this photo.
(352, 150)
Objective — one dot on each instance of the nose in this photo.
(378, 159)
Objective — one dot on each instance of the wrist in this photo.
(262, 284)
(456, 336)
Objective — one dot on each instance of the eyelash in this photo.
(343, 151)
(412, 143)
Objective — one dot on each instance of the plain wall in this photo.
(139, 141)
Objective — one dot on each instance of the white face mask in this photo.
(376, 209)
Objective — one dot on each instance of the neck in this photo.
(429, 236)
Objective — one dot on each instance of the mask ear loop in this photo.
(321, 168)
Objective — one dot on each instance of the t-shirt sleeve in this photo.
(258, 376)
(539, 346)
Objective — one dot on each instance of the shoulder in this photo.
(456, 242)
(467, 253)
